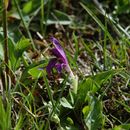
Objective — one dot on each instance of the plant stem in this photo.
(42, 17)
(5, 35)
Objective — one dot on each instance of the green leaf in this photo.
(65, 103)
(35, 72)
(86, 110)
(12, 58)
(104, 76)
(122, 127)
(84, 87)
(70, 121)
(27, 7)
(94, 118)
(1, 52)
(93, 83)
(11, 46)
(29, 71)
(16, 51)
(21, 46)
(55, 118)
(5, 115)
(31, 8)
(19, 123)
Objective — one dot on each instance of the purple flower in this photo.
(60, 61)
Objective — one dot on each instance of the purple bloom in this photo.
(60, 61)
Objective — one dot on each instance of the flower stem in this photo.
(5, 35)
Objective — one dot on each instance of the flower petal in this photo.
(55, 52)
(60, 52)
(59, 67)
(51, 65)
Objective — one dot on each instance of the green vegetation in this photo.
(95, 36)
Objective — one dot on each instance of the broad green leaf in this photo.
(122, 127)
(27, 7)
(16, 51)
(35, 72)
(70, 121)
(55, 118)
(65, 103)
(30, 69)
(94, 118)
(86, 110)
(86, 86)
(21, 46)
(104, 76)
(31, 8)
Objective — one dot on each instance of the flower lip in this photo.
(51, 65)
